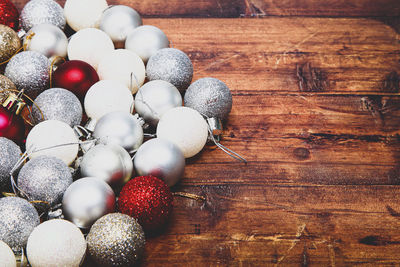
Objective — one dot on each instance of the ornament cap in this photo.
(215, 125)
(14, 103)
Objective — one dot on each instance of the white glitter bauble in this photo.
(7, 258)
(37, 12)
(89, 45)
(56, 134)
(56, 243)
(125, 66)
(81, 14)
(9, 156)
(184, 127)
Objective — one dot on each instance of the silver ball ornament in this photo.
(37, 12)
(171, 65)
(45, 178)
(116, 240)
(18, 218)
(155, 98)
(86, 200)
(9, 156)
(58, 104)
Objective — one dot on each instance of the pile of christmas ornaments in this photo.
(92, 100)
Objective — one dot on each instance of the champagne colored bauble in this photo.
(9, 156)
(53, 138)
(5, 85)
(86, 200)
(184, 127)
(146, 40)
(7, 256)
(9, 14)
(9, 43)
(82, 14)
(37, 12)
(89, 45)
(124, 66)
(56, 243)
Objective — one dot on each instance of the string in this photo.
(55, 59)
(23, 47)
(189, 195)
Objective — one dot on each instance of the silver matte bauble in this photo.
(119, 128)
(58, 104)
(86, 200)
(9, 156)
(146, 40)
(37, 12)
(111, 163)
(160, 158)
(155, 98)
(47, 39)
(171, 65)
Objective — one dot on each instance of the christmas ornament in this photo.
(155, 98)
(111, 163)
(160, 158)
(9, 43)
(116, 240)
(53, 138)
(44, 178)
(56, 243)
(9, 156)
(37, 12)
(118, 21)
(86, 200)
(184, 127)
(76, 76)
(6, 85)
(146, 40)
(18, 218)
(11, 125)
(46, 39)
(124, 66)
(58, 104)
(89, 45)
(171, 65)
(81, 14)
(119, 128)
(29, 70)
(107, 96)
(9, 14)
(7, 256)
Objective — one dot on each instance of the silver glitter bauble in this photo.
(116, 240)
(58, 104)
(48, 40)
(171, 65)
(119, 128)
(209, 96)
(86, 200)
(29, 70)
(111, 163)
(45, 178)
(18, 218)
(160, 158)
(9, 155)
(37, 12)
(146, 40)
(155, 98)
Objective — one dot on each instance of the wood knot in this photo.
(311, 79)
(391, 83)
(301, 153)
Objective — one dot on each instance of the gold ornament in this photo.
(9, 43)
(5, 86)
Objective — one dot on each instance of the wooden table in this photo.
(316, 113)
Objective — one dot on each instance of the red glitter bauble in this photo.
(147, 199)
(11, 125)
(76, 76)
(8, 14)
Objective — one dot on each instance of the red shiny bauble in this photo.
(11, 125)
(147, 199)
(9, 14)
(76, 76)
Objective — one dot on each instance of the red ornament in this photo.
(9, 14)
(76, 76)
(11, 125)
(147, 199)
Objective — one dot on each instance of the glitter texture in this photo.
(45, 178)
(29, 70)
(171, 65)
(58, 104)
(9, 14)
(147, 199)
(210, 97)
(116, 240)
(5, 85)
(42, 11)
(18, 218)
(9, 43)
(9, 155)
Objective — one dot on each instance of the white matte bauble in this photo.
(81, 14)
(56, 243)
(89, 45)
(7, 256)
(146, 40)
(184, 127)
(53, 138)
(124, 66)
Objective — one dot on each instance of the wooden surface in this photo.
(316, 113)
